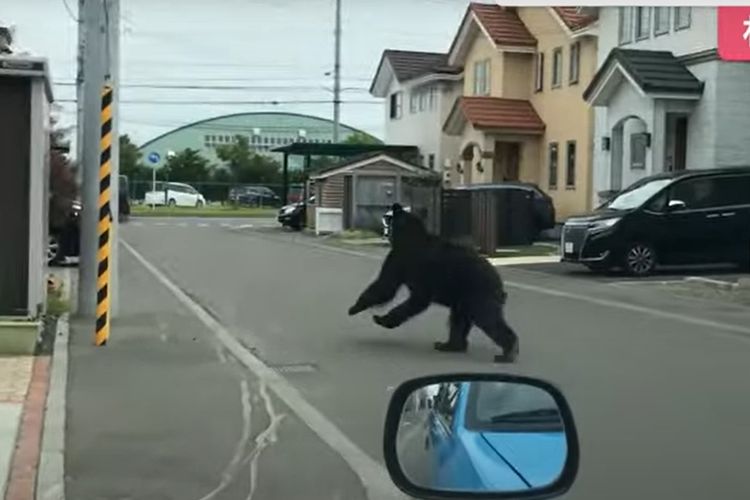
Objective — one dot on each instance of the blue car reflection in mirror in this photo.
(479, 436)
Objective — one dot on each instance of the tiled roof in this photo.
(652, 71)
(573, 18)
(503, 25)
(408, 64)
(501, 113)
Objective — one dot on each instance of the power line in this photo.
(70, 11)
(161, 86)
(229, 102)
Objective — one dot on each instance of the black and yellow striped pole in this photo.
(104, 228)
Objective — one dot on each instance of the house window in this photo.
(413, 101)
(638, 145)
(433, 98)
(575, 62)
(482, 77)
(625, 31)
(570, 167)
(422, 100)
(553, 159)
(642, 22)
(431, 161)
(557, 66)
(661, 20)
(396, 105)
(539, 83)
(681, 18)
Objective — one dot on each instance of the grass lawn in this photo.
(207, 211)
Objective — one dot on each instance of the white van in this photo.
(175, 194)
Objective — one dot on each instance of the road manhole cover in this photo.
(295, 368)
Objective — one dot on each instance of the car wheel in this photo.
(172, 203)
(640, 259)
(199, 204)
(53, 249)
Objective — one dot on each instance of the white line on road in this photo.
(243, 226)
(374, 478)
(203, 224)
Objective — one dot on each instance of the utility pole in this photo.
(79, 91)
(337, 76)
(100, 64)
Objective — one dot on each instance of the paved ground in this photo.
(656, 382)
(162, 412)
(15, 374)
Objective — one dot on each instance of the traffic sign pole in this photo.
(154, 159)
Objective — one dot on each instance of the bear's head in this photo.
(407, 230)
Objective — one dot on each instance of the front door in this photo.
(506, 165)
(680, 143)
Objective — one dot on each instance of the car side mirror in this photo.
(675, 205)
(480, 436)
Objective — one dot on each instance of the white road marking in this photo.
(373, 476)
(243, 226)
(203, 224)
(136, 223)
(182, 224)
(234, 464)
(161, 223)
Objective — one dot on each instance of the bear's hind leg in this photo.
(460, 325)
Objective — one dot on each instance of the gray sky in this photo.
(258, 43)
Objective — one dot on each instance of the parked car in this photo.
(494, 436)
(63, 240)
(175, 194)
(255, 196)
(543, 206)
(294, 215)
(387, 217)
(675, 218)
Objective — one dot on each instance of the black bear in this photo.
(436, 271)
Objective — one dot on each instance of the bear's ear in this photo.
(396, 208)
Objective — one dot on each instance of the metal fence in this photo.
(219, 192)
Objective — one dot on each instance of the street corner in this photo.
(23, 392)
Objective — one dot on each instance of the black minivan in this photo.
(675, 218)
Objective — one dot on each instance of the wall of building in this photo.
(701, 35)
(517, 75)
(566, 115)
(480, 50)
(732, 115)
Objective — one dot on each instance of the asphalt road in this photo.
(657, 384)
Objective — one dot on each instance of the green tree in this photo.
(361, 138)
(187, 166)
(131, 164)
(246, 166)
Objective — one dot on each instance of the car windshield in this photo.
(637, 195)
(508, 406)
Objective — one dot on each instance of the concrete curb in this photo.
(523, 260)
(724, 285)
(50, 483)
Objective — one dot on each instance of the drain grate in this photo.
(296, 368)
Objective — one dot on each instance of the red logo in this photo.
(734, 33)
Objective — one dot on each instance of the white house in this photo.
(420, 89)
(664, 100)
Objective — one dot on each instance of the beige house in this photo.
(522, 116)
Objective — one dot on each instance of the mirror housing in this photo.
(507, 446)
(675, 205)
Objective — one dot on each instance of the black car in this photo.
(675, 218)
(254, 196)
(294, 215)
(64, 235)
(543, 206)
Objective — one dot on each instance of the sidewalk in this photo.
(15, 375)
(163, 412)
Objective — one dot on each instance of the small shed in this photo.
(355, 194)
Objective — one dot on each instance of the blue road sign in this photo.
(154, 158)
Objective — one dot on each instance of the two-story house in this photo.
(521, 115)
(419, 88)
(664, 100)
